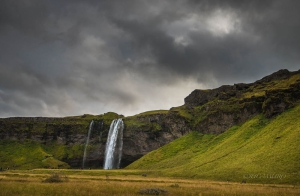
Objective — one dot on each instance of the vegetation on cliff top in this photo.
(260, 150)
(143, 122)
(35, 125)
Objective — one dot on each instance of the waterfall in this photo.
(114, 145)
(87, 143)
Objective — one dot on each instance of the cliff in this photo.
(61, 140)
(216, 110)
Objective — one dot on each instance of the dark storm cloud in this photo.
(206, 53)
(273, 24)
(27, 16)
(73, 57)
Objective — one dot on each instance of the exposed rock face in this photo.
(277, 101)
(26, 129)
(227, 105)
(200, 97)
(157, 130)
(206, 111)
(219, 121)
(152, 132)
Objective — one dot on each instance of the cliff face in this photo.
(146, 132)
(142, 134)
(218, 109)
(206, 111)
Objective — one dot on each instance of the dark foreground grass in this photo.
(126, 182)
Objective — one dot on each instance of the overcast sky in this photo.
(74, 57)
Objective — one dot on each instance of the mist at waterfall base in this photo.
(114, 145)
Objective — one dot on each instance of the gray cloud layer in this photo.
(62, 58)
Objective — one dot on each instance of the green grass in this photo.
(27, 155)
(142, 121)
(254, 151)
(260, 89)
(182, 111)
(153, 112)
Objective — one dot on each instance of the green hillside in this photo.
(28, 155)
(260, 150)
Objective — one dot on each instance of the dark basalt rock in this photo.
(200, 97)
(237, 109)
(277, 101)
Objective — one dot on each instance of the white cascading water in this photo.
(114, 145)
(87, 143)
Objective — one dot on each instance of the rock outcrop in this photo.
(226, 106)
(153, 131)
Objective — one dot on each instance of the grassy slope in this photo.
(261, 147)
(27, 155)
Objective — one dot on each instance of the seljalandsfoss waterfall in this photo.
(114, 145)
(87, 143)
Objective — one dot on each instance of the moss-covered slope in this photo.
(260, 150)
(27, 155)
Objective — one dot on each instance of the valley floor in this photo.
(125, 182)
